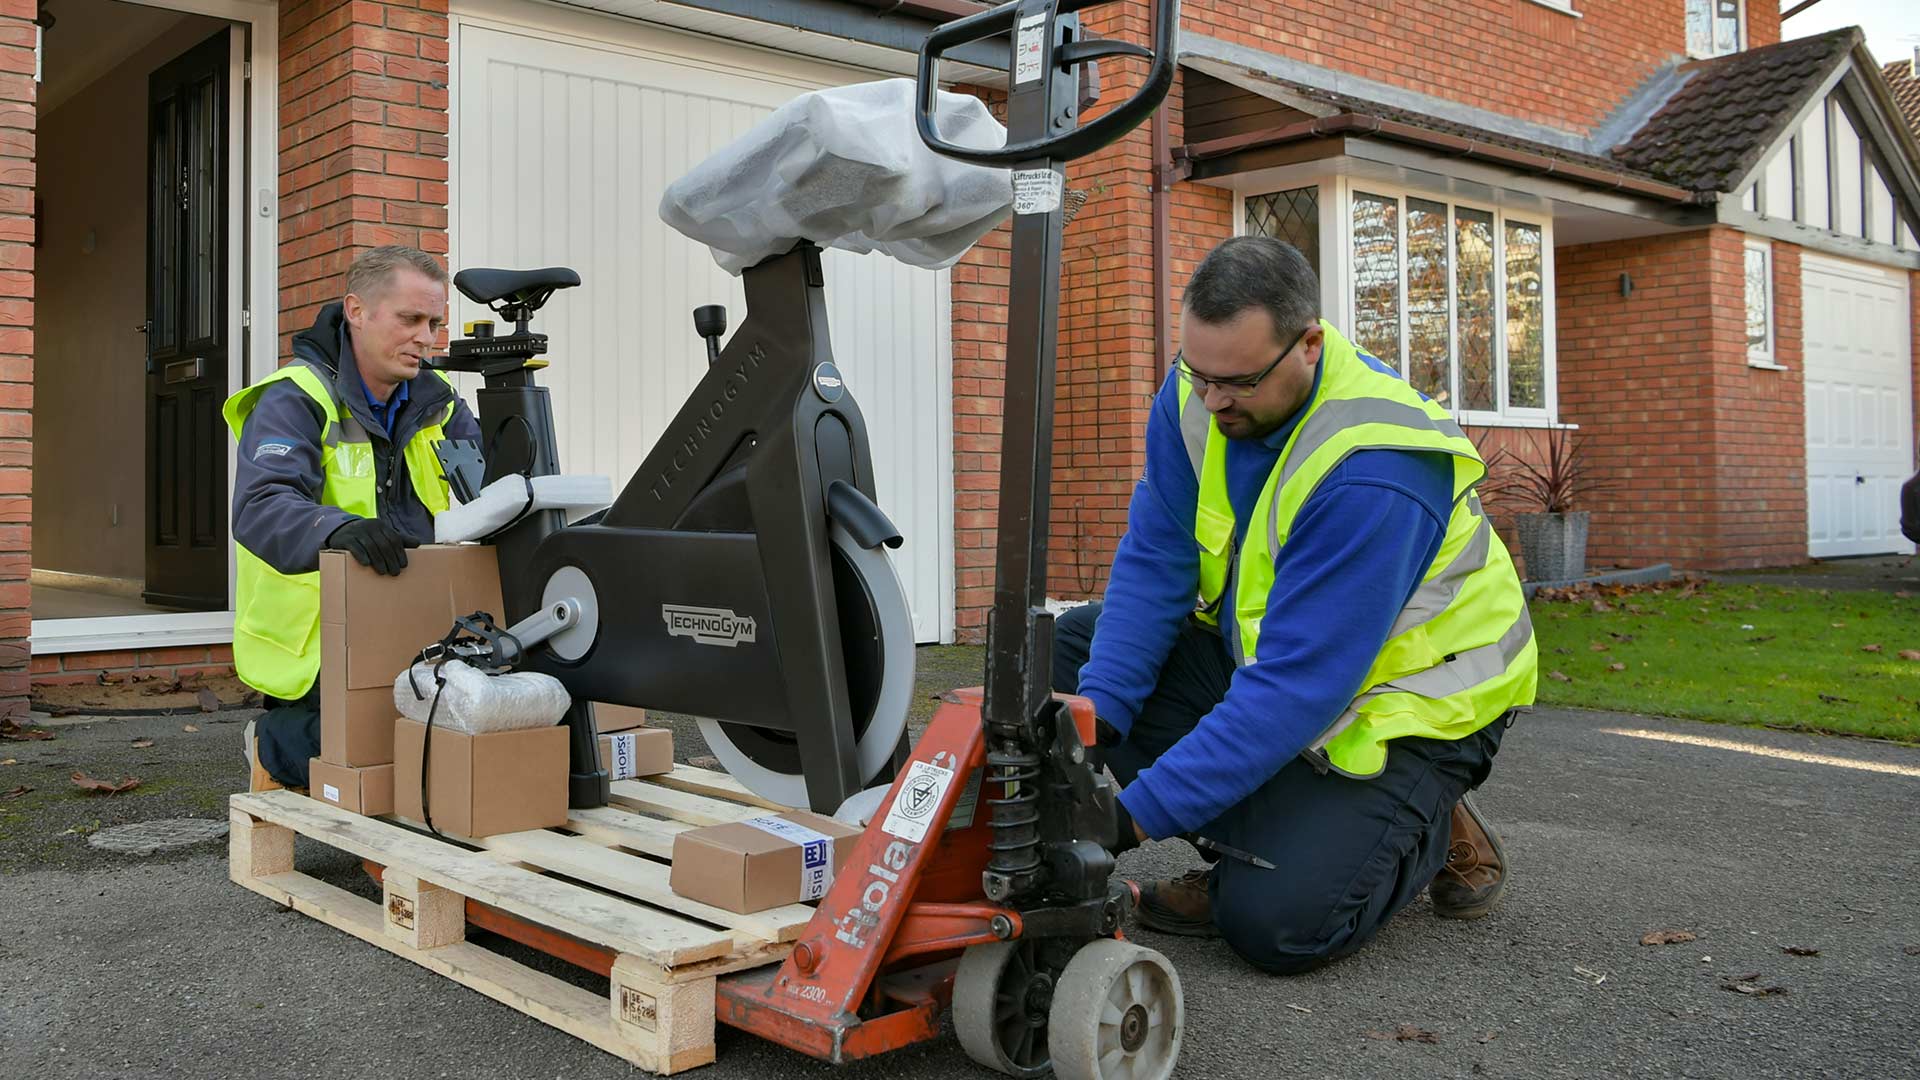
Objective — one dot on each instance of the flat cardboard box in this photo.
(366, 791)
(745, 868)
(356, 726)
(479, 785)
(617, 717)
(642, 752)
(386, 621)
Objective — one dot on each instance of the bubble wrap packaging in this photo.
(476, 703)
(845, 168)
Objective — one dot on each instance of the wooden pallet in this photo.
(601, 881)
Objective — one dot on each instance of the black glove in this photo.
(373, 543)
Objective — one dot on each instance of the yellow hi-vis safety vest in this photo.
(1461, 652)
(276, 619)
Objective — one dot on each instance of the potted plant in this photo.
(1546, 489)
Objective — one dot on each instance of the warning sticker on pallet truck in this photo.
(1036, 191)
(816, 853)
(963, 807)
(1026, 58)
(919, 797)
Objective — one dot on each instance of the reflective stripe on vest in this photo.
(276, 619)
(1460, 652)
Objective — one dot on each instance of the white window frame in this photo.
(1564, 7)
(1503, 415)
(1765, 356)
(1740, 34)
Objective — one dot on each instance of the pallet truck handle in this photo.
(1080, 141)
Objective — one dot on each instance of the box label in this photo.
(920, 793)
(330, 793)
(1026, 63)
(816, 853)
(625, 761)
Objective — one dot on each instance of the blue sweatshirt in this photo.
(1355, 554)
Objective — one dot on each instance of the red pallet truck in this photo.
(985, 879)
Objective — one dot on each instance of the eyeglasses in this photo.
(1237, 388)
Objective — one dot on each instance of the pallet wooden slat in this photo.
(709, 782)
(656, 937)
(622, 828)
(679, 805)
(642, 879)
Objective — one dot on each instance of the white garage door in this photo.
(563, 141)
(1859, 379)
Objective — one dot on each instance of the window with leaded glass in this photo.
(1456, 298)
(1293, 216)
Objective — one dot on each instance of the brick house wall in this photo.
(17, 121)
(363, 141)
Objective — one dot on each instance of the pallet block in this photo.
(602, 880)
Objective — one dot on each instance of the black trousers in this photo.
(289, 736)
(1348, 854)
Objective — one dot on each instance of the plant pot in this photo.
(1554, 545)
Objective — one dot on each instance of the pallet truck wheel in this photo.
(1117, 1014)
(1000, 1007)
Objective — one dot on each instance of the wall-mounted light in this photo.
(1626, 283)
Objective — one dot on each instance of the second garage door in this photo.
(562, 145)
(1859, 380)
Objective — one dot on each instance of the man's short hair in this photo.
(1255, 271)
(373, 270)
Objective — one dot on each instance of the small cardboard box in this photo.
(479, 785)
(748, 866)
(642, 752)
(609, 718)
(366, 791)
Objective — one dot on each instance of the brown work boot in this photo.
(1475, 875)
(1179, 906)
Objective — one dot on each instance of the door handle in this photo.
(143, 327)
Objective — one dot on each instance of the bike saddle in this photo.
(516, 288)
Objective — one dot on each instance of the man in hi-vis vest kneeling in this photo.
(1358, 648)
(336, 452)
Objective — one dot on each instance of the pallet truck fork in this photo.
(984, 879)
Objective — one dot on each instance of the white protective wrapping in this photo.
(476, 703)
(845, 168)
(509, 497)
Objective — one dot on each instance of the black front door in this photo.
(186, 444)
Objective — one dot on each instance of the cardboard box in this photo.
(752, 865)
(479, 785)
(356, 726)
(608, 718)
(364, 791)
(371, 627)
(385, 621)
(630, 754)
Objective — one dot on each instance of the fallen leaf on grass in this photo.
(1596, 646)
(1620, 637)
(1602, 607)
(1838, 625)
(1666, 937)
(209, 701)
(189, 727)
(11, 730)
(105, 787)
(1559, 676)
(1835, 699)
(1910, 654)
(16, 792)
(1799, 950)
(142, 744)
(1901, 594)
(1760, 639)
(1869, 648)
(1616, 666)
(1405, 1033)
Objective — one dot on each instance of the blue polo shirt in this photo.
(385, 411)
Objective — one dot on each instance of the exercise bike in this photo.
(740, 576)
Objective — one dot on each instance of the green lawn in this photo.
(1743, 654)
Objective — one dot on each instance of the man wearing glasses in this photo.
(1358, 647)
